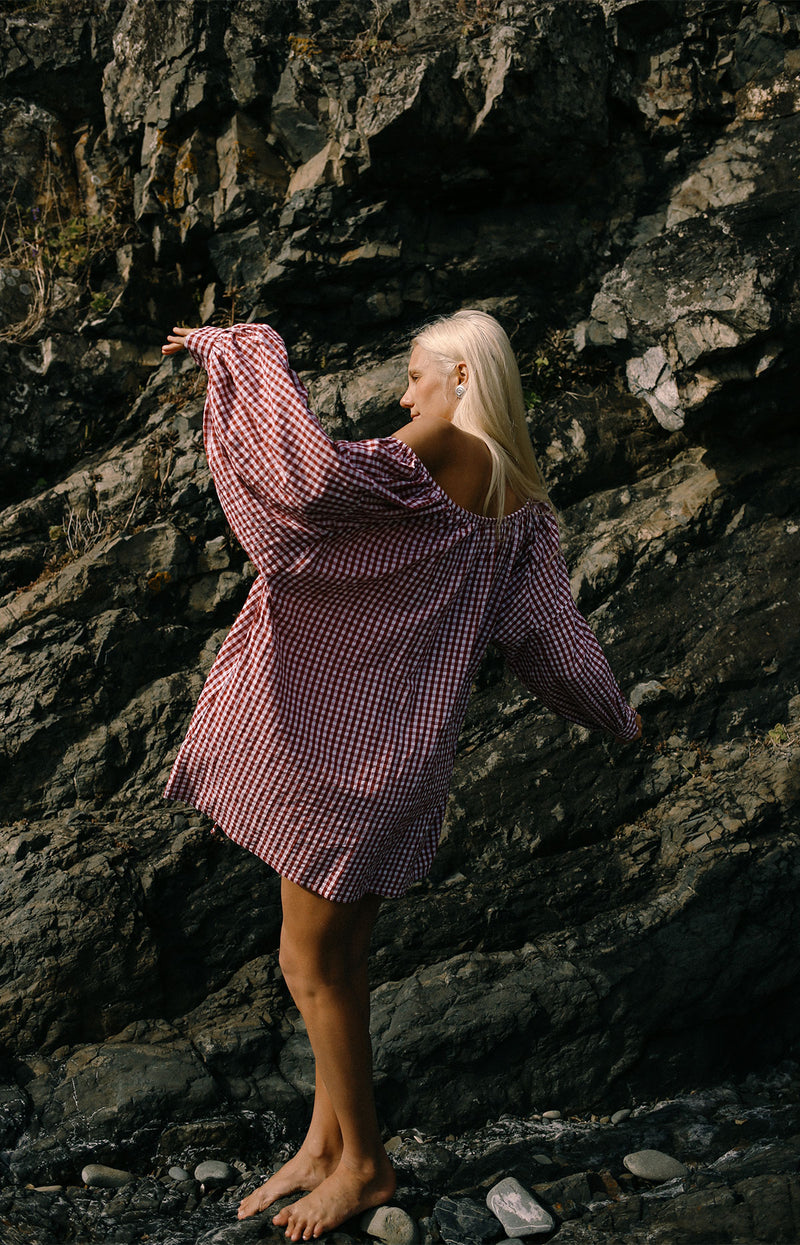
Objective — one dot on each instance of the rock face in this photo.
(616, 181)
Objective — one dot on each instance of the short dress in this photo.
(325, 735)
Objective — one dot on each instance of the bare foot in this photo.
(345, 1192)
(304, 1171)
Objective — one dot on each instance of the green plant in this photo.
(100, 304)
(47, 244)
(552, 365)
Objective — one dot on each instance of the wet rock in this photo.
(462, 1221)
(566, 1197)
(517, 1209)
(654, 1165)
(214, 1174)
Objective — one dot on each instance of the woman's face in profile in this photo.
(428, 393)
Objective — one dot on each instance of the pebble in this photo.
(619, 1116)
(551, 1115)
(654, 1165)
(97, 1176)
(215, 1175)
(179, 1173)
(543, 1160)
(464, 1222)
(517, 1209)
(389, 1224)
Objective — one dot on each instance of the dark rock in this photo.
(348, 171)
(464, 1222)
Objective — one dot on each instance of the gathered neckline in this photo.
(470, 514)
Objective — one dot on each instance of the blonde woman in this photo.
(324, 737)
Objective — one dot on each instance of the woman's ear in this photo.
(462, 373)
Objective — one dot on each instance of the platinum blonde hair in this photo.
(492, 407)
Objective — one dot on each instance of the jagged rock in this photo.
(349, 171)
(462, 1221)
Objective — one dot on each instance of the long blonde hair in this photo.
(492, 407)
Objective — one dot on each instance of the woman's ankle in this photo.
(323, 1148)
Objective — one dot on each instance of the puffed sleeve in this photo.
(270, 458)
(550, 646)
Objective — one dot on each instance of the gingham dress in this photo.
(324, 738)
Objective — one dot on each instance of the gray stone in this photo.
(462, 1221)
(179, 1173)
(98, 1176)
(517, 1209)
(214, 1174)
(389, 1224)
(654, 1165)
(551, 1115)
(619, 1116)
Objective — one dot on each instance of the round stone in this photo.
(214, 1174)
(654, 1165)
(619, 1116)
(551, 1115)
(179, 1173)
(389, 1224)
(98, 1176)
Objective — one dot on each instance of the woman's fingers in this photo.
(175, 340)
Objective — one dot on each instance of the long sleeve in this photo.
(269, 455)
(551, 648)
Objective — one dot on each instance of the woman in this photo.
(324, 737)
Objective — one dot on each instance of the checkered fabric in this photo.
(324, 738)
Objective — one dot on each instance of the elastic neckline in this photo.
(469, 514)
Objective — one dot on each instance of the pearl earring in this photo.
(460, 390)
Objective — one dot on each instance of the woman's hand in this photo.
(176, 341)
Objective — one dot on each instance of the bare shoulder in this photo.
(430, 438)
(439, 444)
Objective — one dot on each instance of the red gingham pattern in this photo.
(324, 738)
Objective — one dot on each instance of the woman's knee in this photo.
(309, 967)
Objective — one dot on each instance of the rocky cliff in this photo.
(616, 180)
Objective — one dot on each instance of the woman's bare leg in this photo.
(324, 952)
(317, 1157)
